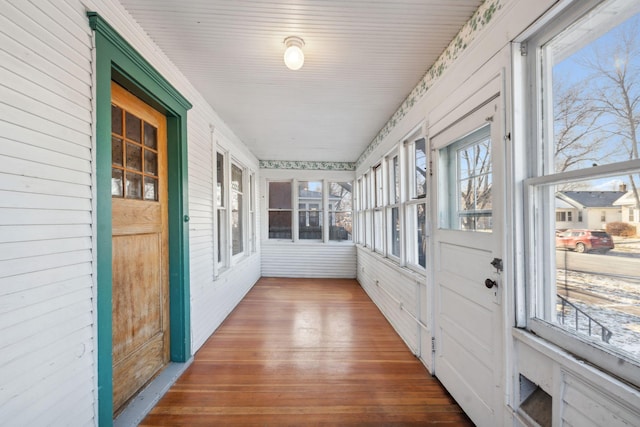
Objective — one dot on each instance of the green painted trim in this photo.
(102, 27)
(117, 60)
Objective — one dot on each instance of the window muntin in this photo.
(237, 212)
(582, 64)
(310, 210)
(280, 210)
(340, 211)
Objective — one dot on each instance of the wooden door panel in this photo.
(134, 371)
(140, 286)
(135, 217)
(137, 298)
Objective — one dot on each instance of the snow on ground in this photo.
(613, 302)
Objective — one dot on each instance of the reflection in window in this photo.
(237, 237)
(340, 211)
(470, 178)
(584, 81)
(280, 210)
(310, 210)
(593, 284)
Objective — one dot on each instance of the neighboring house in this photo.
(630, 211)
(587, 209)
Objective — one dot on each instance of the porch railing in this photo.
(564, 319)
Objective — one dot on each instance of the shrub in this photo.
(623, 229)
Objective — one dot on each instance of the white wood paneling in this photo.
(46, 286)
(396, 292)
(362, 59)
(308, 260)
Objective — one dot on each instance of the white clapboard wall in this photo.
(47, 271)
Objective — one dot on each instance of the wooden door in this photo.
(140, 249)
(468, 288)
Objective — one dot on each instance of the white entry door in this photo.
(468, 237)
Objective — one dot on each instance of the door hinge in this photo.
(433, 344)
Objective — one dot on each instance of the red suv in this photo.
(584, 240)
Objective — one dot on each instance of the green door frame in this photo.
(116, 60)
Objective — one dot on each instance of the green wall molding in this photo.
(469, 32)
(117, 60)
(303, 165)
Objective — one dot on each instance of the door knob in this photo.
(490, 283)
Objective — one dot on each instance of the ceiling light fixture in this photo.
(293, 55)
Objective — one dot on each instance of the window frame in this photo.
(539, 207)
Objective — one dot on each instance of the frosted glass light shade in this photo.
(293, 55)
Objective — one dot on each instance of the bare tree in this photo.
(577, 129)
(615, 88)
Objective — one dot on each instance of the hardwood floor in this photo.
(306, 352)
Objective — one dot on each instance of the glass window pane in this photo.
(280, 195)
(469, 173)
(378, 230)
(134, 186)
(236, 223)
(594, 267)
(133, 127)
(340, 226)
(340, 196)
(116, 119)
(150, 136)
(395, 232)
(150, 188)
(310, 191)
(150, 163)
(421, 167)
(134, 157)
(116, 183)
(116, 151)
(594, 82)
(310, 225)
(280, 225)
(236, 178)
(378, 186)
(220, 179)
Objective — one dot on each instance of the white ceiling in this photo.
(362, 58)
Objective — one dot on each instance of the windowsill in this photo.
(579, 367)
(408, 271)
(308, 242)
(222, 272)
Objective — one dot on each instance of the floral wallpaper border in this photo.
(467, 34)
(301, 165)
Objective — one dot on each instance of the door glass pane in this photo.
(116, 151)
(134, 157)
(116, 183)
(150, 163)
(150, 188)
(150, 136)
(469, 175)
(133, 127)
(116, 119)
(134, 186)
